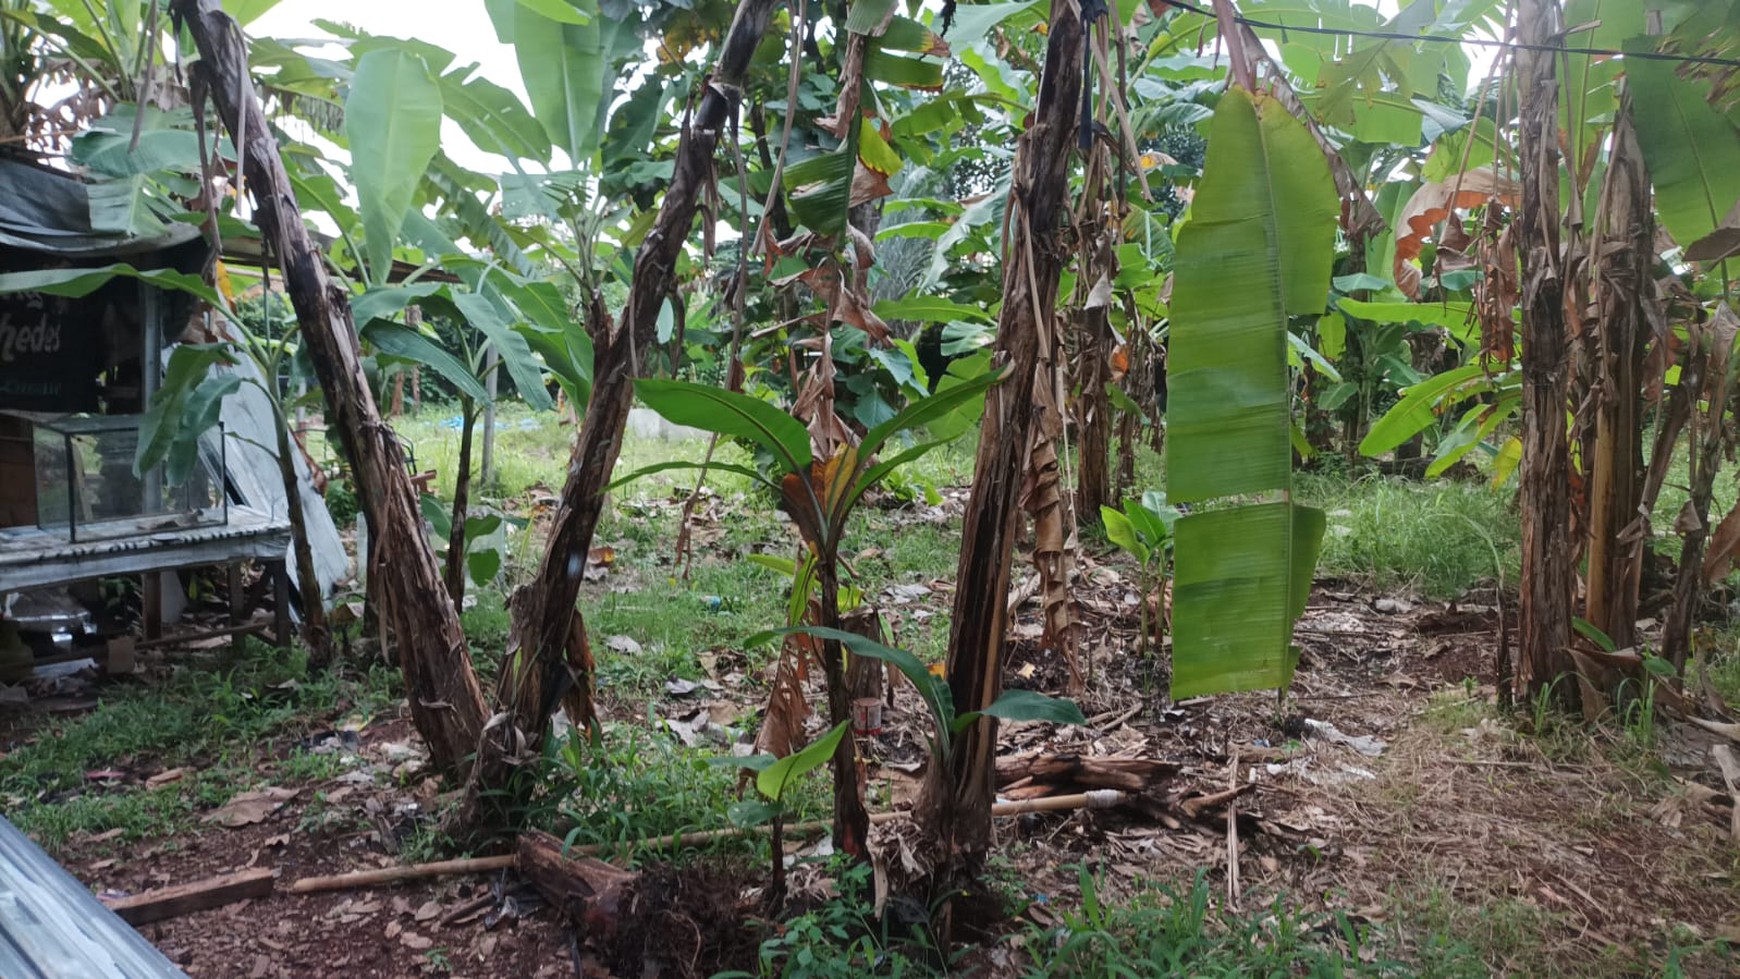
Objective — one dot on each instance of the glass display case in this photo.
(86, 488)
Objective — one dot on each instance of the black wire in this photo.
(1685, 59)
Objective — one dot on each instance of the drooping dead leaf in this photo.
(782, 725)
(251, 807)
(1498, 290)
(1724, 242)
(1724, 547)
(1434, 202)
(868, 185)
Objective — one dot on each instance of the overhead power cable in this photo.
(1683, 59)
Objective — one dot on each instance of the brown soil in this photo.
(1598, 851)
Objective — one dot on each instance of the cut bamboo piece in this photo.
(1097, 799)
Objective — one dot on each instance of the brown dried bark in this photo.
(956, 803)
(453, 576)
(446, 703)
(1547, 574)
(1623, 332)
(537, 671)
(1712, 344)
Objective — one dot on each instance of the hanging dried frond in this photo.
(1498, 290)
(1436, 202)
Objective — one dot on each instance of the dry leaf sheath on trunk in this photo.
(1547, 574)
(537, 668)
(956, 805)
(446, 702)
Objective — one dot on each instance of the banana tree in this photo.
(819, 495)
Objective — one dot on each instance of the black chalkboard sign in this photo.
(51, 351)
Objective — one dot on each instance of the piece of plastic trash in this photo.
(1365, 744)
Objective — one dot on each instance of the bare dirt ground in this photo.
(1383, 787)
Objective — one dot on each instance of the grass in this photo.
(1437, 537)
(638, 784)
(218, 721)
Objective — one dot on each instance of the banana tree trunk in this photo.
(453, 576)
(1622, 295)
(1547, 574)
(1713, 344)
(538, 666)
(446, 703)
(315, 634)
(1092, 486)
(956, 802)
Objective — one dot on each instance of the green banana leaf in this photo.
(1255, 250)
(493, 117)
(510, 344)
(1241, 577)
(1692, 151)
(392, 120)
(729, 413)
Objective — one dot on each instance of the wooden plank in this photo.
(257, 626)
(34, 560)
(201, 895)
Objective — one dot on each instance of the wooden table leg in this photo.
(151, 604)
(238, 603)
(280, 604)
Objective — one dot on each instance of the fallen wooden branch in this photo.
(410, 871)
(568, 881)
(200, 895)
(1126, 774)
(1100, 799)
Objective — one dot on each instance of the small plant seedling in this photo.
(772, 777)
(1143, 530)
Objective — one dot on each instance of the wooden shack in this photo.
(92, 364)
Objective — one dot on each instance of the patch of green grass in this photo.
(1439, 537)
(308, 766)
(1452, 711)
(215, 720)
(1448, 936)
(638, 785)
(138, 814)
(1173, 931)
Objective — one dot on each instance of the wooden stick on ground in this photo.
(1098, 799)
(1232, 839)
(200, 895)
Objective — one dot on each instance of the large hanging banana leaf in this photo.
(393, 121)
(1256, 249)
(1242, 577)
(566, 69)
(1692, 151)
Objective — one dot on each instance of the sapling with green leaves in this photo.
(772, 776)
(820, 496)
(1143, 530)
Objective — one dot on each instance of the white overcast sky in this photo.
(460, 26)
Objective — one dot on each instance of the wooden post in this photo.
(233, 574)
(151, 604)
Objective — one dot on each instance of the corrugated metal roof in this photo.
(52, 927)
